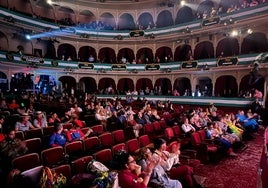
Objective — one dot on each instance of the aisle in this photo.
(238, 172)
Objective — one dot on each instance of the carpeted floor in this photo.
(234, 172)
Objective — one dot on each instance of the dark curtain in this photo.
(144, 53)
(164, 52)
(85, 51)
(229, 47)
(127, 53)
(165, 85)
(125, 84)
(145, 20)
(226, 86)
(68, 82)
(67, 50)
(143, 83)
(254, 43)
(107, 55)
(185, 14)
(182, 84)
(164, 19)
(181, 52)
(204, 50)
(90, 84)
(104, 83)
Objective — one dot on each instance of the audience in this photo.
(130, 174)
(58, 138)
(40, 120)
(159, 177)
(24, 123)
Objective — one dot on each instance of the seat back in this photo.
(118, 147)
(177, 131)
(91, 144)
(118, 136)
(74, 149)
(104, 156)
(80, 165)
(64, 169)
(144, 140)
(19, 135)
(133, 146)
(33, 175)
(106, 140)
(26, 161)
(34, 133)
(34, 145)
(195, 139)
(169, 134)
(48, 130)
(52, 156)
(202, 134)
(98, 129)
(163, 124)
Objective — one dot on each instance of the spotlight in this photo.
(234, 33)
(49, 2)
(249, 31)
(183, 3)
(28, 37)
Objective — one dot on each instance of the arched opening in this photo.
(183, 86)
(88, 85)
(124, 85)
(226, 86)
(163, 86)
(107, 86)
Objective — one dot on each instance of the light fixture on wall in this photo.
(68, 69)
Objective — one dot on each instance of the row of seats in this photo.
(55, 156)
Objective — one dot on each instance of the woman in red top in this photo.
(130, 175)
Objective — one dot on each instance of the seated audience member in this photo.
(176, 93)
(40, 120)
(249, 123)
(53, 118)
(158, 177)
(76, 109)
(155, 115)
(213, 116)
(77, 122)
(3, 105)
(13, 105)
(67, 118)
(76, 134)
(101, 117)
(132, 123)
(186, 127)
(130, 175)
(256, 106)
(194, 121)
(170, 163)
(58, 138)
(212, 108)
(2, 120)
(231, 122)
(140, 118)
(213, 132)
(257, 94)
(11, 147)
(148, 116)
(24, 124)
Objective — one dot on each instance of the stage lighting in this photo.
(28, 37)
(183, 3)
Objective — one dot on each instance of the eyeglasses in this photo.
(133, 161)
